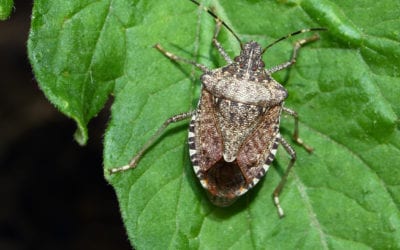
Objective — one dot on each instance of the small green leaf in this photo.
(5, 8)
(77, 50)
(345, 88)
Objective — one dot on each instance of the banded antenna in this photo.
(237, 37)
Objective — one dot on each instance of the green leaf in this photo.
(5, 8)
(345, 88)
(77, 51)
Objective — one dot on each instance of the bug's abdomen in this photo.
(225, 181)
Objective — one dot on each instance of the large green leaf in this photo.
(345, 88)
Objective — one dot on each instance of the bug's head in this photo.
(250, 57)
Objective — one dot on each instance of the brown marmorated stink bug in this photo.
(234, 132)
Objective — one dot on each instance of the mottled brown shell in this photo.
(234, 135)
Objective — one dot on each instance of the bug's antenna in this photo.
(292, 34)
(216, 17)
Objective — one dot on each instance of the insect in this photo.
(234, 132)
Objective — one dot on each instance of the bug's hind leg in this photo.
(282, 183)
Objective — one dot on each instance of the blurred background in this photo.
(53, 194)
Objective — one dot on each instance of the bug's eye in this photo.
(262, 65)
(236, 59)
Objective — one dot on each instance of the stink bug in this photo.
(234, 132)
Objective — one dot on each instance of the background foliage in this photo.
(345, 87)
(5, 8)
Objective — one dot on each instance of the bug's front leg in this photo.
(221, 50)
(296, 137)
(134, 161)
(176, 58)
(296, 49)
(219, 23)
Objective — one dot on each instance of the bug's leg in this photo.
(135, 160)
(281, 184)
(296, 49)
(180, 59)
(216, 32)
(221, 50)
(296, 137)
